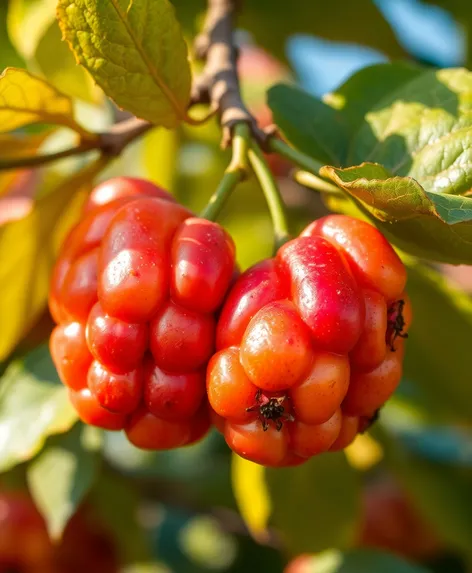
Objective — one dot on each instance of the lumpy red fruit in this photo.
(134, 292)
(310, 344)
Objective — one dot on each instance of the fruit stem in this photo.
(317, 183)
(272, 195)
(295, 156)
(234, 174)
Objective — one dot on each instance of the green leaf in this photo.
(316, 505)
(439, 340)
(309, 124)
(423, 130)
(422, 223)
(58, 65)
(365, 88)
(358, 561)
(322, 129)
(26, 99)
(441, 492)
(60, 477)
(28, 20)
(27, 252)
(8, 55)
(135, 51)
(33, 406)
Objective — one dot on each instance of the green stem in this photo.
(271, 193)
(314, 182)
(302, 160)
(234, 174)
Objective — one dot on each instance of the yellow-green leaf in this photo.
(26, 99)
(57, 63)
(33, 406)
(27, 22)
(27, 251)
(60, 477)
(252, 496)
(135, 51)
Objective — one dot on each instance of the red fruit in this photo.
(276, 347)
(368, 391)
(201, 288)
(324, 292)
(70, 354)
(119, 187)
(348, 432)
(79, 291)
(91, 412)
(135, 291)
(118, 393)
(170, 396)
(118, 345)
(318, 396)
(258, 286)
(25, 546)
(371, 349)
(372, 260)
(199, 425)
(308, 440)
(250, 441)
(181, 340)
(147, 432)
(305, 345)
(230, 392)
(134, 274)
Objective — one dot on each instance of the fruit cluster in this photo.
(134, 292)
(310, 344)
(298, 353)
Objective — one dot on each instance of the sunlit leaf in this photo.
(28, 20)
(33, 406)
(423, 130)
(422, 223)
(135, 51)
(58, 65)
(8, 55)
(60, 477)
(26, 99)
(27, 252)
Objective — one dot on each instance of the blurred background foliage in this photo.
(405, 488)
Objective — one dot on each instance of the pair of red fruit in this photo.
(158, 334)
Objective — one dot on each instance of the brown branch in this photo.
(219, 84)
(110, 143)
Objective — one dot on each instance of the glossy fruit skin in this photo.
(135, 291)
(310, 344)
